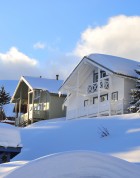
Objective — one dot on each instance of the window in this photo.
(95, 100)
(104, 97)
(95, 77)
(37, 94)
(85, 103)
(103, 74)
(115, 96)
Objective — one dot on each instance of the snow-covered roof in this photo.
(115, 64)
(111, 64)
(9, 136)
(51, 85)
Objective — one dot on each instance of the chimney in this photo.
(57, 77)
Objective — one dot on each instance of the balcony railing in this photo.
(35, 115)
(104, 84)
(117, 107)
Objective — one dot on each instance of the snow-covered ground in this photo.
(77, 164)
(49, 137)
(54, 136)
(9, 136)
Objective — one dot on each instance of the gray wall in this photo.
(56, 110)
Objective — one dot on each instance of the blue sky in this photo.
(42, 37)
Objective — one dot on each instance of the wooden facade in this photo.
(35, 104)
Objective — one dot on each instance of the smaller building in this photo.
(36, 99)
(10, 142)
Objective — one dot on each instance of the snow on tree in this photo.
(4, 99)
(135, 96)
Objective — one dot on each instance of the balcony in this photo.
(117, 107)
(36, 115)
(104, 85)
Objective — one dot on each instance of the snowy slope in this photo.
(77, 164)
(49, 137)
(55, 144)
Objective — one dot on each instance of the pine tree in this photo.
(135, 96)
(4, 97)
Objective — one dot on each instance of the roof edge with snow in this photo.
(102, 66)
(110, 69)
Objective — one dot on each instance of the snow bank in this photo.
(9, 136)
(77, 164)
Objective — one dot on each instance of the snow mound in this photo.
(77, 164)
(9, 136)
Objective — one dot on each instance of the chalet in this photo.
(37, 98)
(99, 86)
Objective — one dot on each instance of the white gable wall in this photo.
(77, 98)
(71, 102)
(118, 86)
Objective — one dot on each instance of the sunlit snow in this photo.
(45, 138)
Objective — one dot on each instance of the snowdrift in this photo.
(77, 164)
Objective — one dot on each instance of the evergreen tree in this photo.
(135, 96)
(4, 97)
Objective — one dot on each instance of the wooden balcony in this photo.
(104, 85)
(34, 116)
(117, 107)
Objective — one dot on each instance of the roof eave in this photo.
(71, 74)
(21, 79)
(27, 83)
(92, 61)
(128, 76)
(99, 64)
